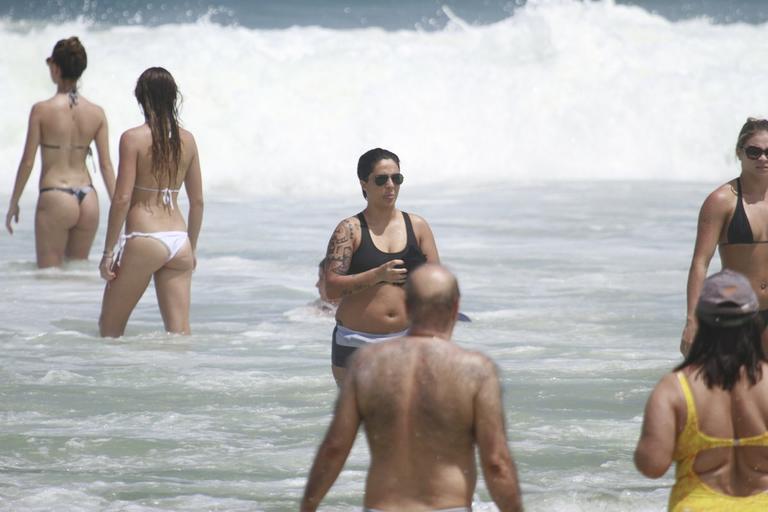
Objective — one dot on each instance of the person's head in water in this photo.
(432, 299)
(751, 128)
(728, 337)
(368, 160)
(158, 96)
(69, 57)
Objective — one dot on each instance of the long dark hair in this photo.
(721, 352)
(158, 96)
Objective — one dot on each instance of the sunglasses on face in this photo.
(382, 179)
(754, 152)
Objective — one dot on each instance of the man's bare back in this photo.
(425, 404)
(416, 398)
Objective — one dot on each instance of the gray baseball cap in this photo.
(727, 300)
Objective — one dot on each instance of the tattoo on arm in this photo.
(338, 257)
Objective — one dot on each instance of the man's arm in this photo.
(498, 467)
(335, 447)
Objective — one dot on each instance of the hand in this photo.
(13, 213)
(107, 267)
(392, 272)
(689, 333)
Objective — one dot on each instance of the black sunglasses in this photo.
(382, 179)
(754, 152)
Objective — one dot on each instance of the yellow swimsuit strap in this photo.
(692, 440)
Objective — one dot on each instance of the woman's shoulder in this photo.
(723, 197)
(87, 104)
(418, 222)
(136, 135)
(186, 136)
(349, 227)
(668, 390)
(351, 221)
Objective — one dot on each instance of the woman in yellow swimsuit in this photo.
(67, 213)
(156, 158)
(710, 416)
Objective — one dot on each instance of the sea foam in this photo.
(561, 90)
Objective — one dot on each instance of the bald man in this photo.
(425, 404)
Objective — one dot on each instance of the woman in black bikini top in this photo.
(63, 127)
(369, 257)
(734, 218)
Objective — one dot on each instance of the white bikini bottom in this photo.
(172, 240)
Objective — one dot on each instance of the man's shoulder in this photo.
(448, 352)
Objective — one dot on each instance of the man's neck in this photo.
(430, 332)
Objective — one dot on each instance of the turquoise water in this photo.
(575, 289)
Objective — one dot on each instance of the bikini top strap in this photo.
(410, 233)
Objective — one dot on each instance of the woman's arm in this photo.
(338, 258)
(656, 445)
(193, 184)
(712, 217)
(105, 162)
(121, 200)
(426, 239)
(25, 167)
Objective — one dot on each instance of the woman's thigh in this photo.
(141, 258)
(173, 286)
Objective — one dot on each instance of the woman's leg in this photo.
(141, 258)
(55, 215)
(82, 234)
(173, 286)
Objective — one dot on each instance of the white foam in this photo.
(562, 90)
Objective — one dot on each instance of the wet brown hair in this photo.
(158, 96)
(751, 127)
(69, 54)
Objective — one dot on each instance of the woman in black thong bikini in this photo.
(368, 259)
(67, 213)
(734, 218)
(156, 158)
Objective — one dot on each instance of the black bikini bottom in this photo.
(78, 192)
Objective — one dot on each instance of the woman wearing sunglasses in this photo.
(67, 213)
(156, 158)
(734, 218)
(368, 259)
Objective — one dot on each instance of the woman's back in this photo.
(729, 438)
(66, 132)
(154, 205)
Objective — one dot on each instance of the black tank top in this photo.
(368, 256)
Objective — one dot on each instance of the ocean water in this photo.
(560, 151)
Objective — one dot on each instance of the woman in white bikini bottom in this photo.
(172, 240)
(156, 159)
